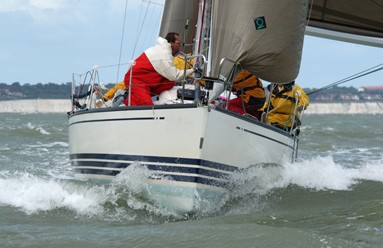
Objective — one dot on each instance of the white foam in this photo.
(32, 195)
(323, 173)
(319, 173)
(133, 177)
(43, 131)
(5, 148)
(30, 126)
(49, 145)
(40, 129)
(372, 171)
(134, 181)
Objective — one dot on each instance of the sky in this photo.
(46, 41)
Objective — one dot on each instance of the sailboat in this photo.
(193, 146)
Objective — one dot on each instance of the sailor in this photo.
(116, 92)
(250, 94)
(110, 93)
(179, 62)
(283, 104)
(154, 71)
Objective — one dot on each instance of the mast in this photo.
(203, 34)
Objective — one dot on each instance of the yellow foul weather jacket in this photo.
(249, 87)
(179, 62)
(283, 102)
(110, 94)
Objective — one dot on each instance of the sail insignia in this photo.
(260, 23)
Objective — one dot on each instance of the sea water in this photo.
(331, 197)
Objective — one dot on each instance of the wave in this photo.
(27, 129)
(123, 199)
(127, 197)
(40, 129)
(32, 194)
(49, 145)
(323, 173)
(319, 173)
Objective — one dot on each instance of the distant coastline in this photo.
(64, 105)
(35, 106)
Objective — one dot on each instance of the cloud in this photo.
(38, 10)
(72, 12)
(48, 11)
(33, 7)
(47, 4)
(11, 5)
(57, 37)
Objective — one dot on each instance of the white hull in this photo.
(193, 150)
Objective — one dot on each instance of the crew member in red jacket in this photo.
(154, 71)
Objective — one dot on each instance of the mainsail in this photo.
(353, 21)
(349, 16)
(180, 16)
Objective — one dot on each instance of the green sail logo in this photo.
(260, 23)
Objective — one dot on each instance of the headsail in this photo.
(265, 36)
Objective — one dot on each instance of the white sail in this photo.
(353, 21)
(180, 16)
(348, 16)
(264, 36)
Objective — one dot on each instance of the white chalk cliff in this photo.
(64, 105)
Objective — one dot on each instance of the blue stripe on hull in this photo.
(189, 179)
(196, 175)
(154, 159)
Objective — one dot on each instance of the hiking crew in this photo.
(283, 104)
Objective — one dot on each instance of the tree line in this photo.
(16, 91)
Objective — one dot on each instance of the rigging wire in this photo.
(309, 14)
(347, 79)
(154, 35)
(138, 27)
(149, 23)
(122, 41)
(142, 25)
(152, 22)
(123, 35)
